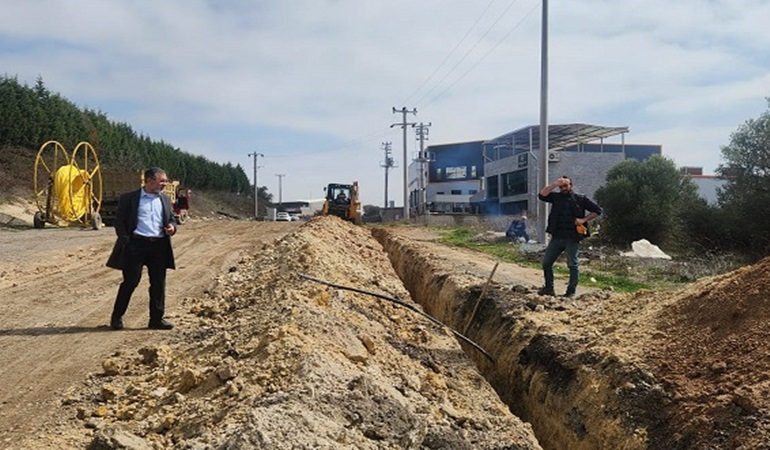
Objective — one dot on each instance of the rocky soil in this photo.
(683, 369)
(264, 358)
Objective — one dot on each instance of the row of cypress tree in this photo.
(30, 116)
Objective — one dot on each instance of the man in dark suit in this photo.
(144, 225)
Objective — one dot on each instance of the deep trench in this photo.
(574, 399)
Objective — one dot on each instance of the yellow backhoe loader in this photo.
(342, 201)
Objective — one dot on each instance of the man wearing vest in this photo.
(568, 215)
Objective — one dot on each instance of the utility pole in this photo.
(403, 125)
(387, 165)
(280, 187)
(542, 174)
(422, 135)
(256, 185)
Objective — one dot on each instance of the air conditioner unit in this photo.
(554, 156)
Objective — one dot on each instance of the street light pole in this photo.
(542, 174)
(280, 188)
(256, 185)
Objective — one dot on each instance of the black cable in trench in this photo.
(405, 305)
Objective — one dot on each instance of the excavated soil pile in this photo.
(270, 360)
(652, 370)
(712, 353)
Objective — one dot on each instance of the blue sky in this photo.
(312, 83)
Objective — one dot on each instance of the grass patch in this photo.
(465, 237)
(469, 237)
(601, 280)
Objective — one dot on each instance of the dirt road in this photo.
(252, 345)
(263, 359)
(57, 296)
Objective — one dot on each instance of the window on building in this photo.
(457, 192)
(473, 172)
(514, 183)
(492, 184)
(440, 193)
(473, 191)
(514, 208)
(456, 173)
(439, 173)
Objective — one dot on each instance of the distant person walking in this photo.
(144, 225)
(566, 223)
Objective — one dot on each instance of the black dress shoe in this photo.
(546, 290)
(161, 324)
(116, 324)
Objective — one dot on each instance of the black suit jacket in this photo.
(125, 224)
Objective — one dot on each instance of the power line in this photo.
(467, 53)
(467, 33)
(345, 144)
(484, 56)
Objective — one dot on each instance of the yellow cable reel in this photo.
(67, 189)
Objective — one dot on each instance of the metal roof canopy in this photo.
(559, 136)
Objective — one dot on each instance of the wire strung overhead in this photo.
(437, 85)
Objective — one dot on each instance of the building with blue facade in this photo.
(499, 176)
(454, 174)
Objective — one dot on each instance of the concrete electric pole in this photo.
(542, 174)
(280, 187)
(256, 184)
(422, 135)
(403, 126)
(387, 165)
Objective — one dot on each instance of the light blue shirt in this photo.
(149, 221)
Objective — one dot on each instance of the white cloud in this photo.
(311, 83)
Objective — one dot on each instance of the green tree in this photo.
(745, 199)
(703, 228)
(30, 116)
(644, 200)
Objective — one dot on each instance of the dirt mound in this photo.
(732, 304)
(657, 370)
(712, 353)
(269, 360)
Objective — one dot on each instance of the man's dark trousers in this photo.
(138, 253)
(555, 247)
